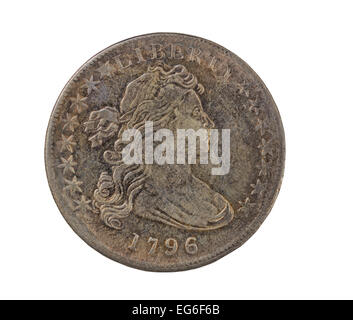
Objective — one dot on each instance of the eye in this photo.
(196, 112)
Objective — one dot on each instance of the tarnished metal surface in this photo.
(150, 215)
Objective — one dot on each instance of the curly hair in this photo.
(151, 97)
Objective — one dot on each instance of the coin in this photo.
(165, 152)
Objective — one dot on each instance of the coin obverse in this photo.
(165, 152)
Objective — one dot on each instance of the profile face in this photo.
(191, 115)
(169, 194)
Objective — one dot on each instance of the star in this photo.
(266, 147)
(73, 185)
(254, 107)
(264, 167)
(71, 122)
(246, 206)
(257, 188)
(67, 164)
(259, 126)
(241, 88)
(83, 204)
(67, 143)
(106, 70)
(78, 102)
(90, 85)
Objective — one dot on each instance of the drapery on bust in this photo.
(170, 193)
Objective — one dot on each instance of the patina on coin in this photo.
(165, 152)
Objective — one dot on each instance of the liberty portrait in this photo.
(168, 96)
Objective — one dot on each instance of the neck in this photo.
(170, 174)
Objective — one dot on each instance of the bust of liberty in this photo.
(169, 193)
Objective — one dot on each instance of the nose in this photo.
(207, 123)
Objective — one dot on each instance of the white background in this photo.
(303, 51)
